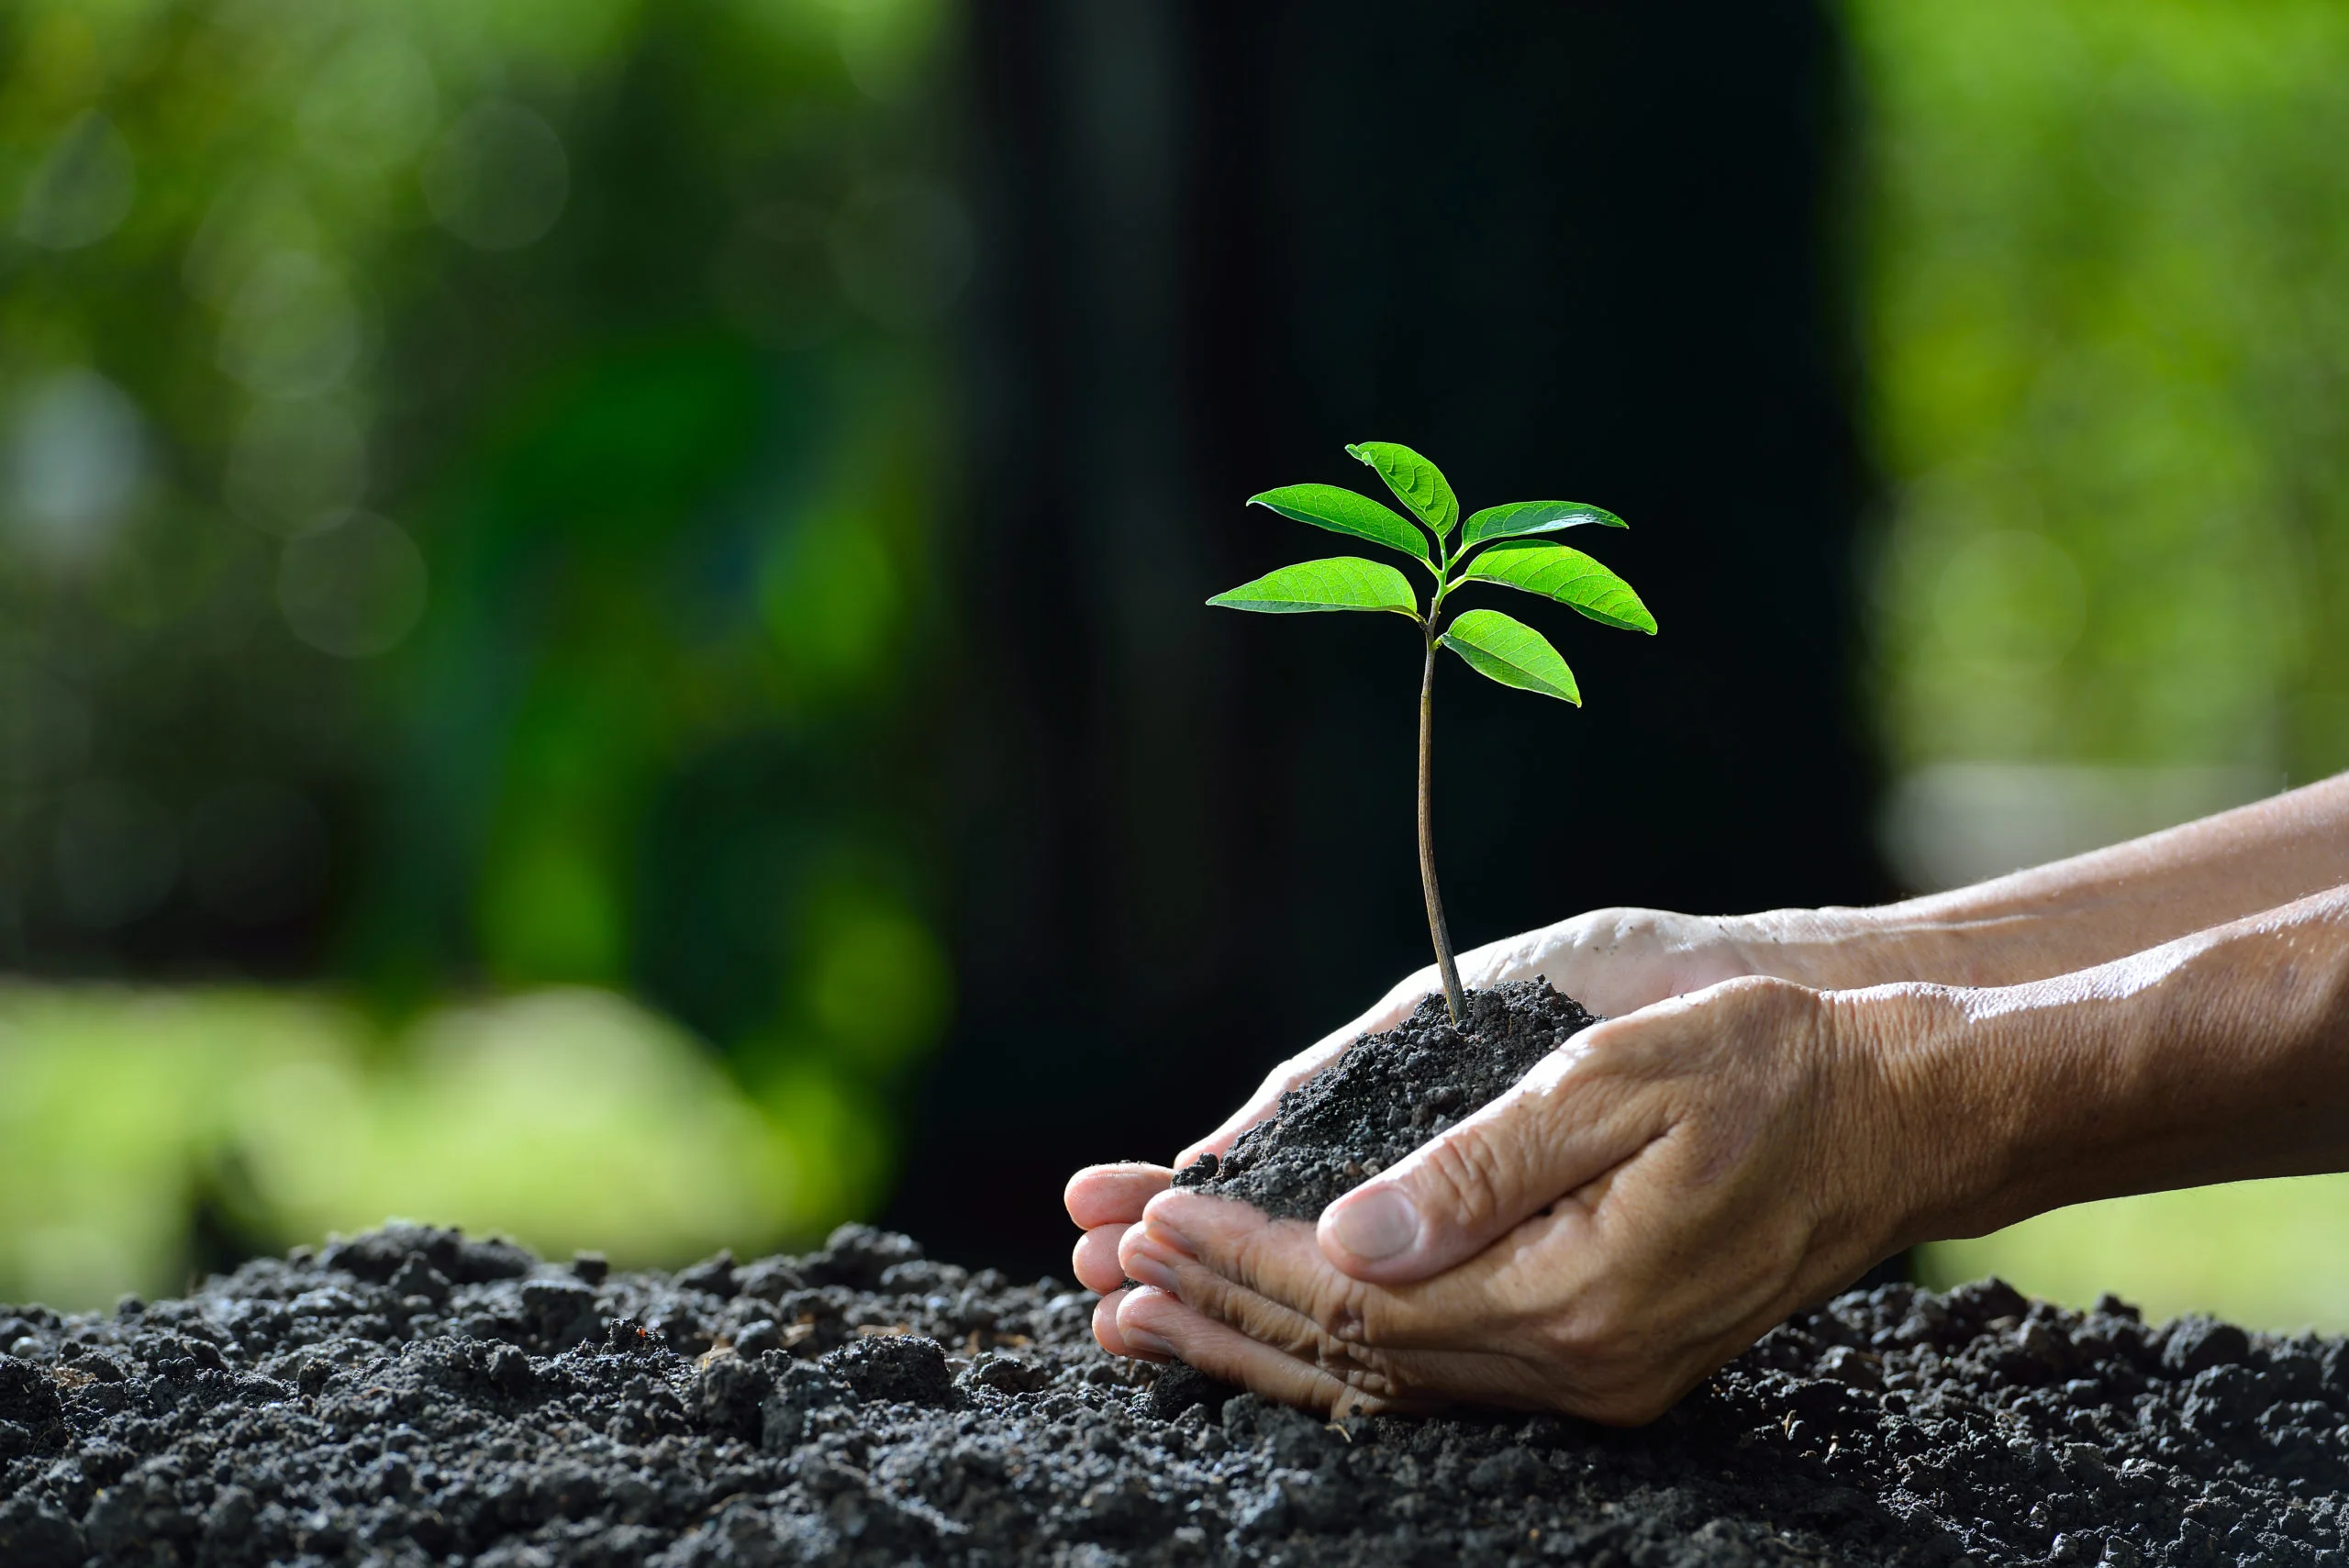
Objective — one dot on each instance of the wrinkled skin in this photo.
(1729, 1126)
(1613, 960)
(1775, 1103)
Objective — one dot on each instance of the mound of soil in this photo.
(411, 1396)
(1386, 1096)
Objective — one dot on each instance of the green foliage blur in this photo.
(471, 611)
(570, 1117)
(469, 481)
(2106, 263)
(2107, 333)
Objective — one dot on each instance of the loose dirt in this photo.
(1386, 1096)
(411, 1397)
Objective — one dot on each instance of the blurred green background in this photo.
(2107, 330)
(481, 482)
(470, 478)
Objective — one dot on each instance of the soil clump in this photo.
(1386, 1095)
(413, 1397)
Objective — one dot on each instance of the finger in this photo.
(1462, 1190)
(1486, 1333)
(1498, 1302)
(1513, 958)
(1113, 1195)
(1264, 1277)
(1521, 957)
(1096, 1258)
(1391, 1009)
(1175, 1270)
(1507, 1301)
(1261, 1103)
(1104, 1329)
(1155, 1319)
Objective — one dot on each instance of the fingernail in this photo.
(1160, 1228)
(1143, 1340)
(1377, 1225)
(1144, 1266)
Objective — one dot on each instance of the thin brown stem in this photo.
(1455, 1000)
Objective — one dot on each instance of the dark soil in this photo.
(411, 1397)
(1388, 1095)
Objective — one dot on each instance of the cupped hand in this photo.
(1652, 1197)
(1611, 961)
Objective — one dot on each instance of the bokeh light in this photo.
(498, 178)
(2113, 593)
(353, 586)
(296, 463)
(567, 1118)
(479, 579)
(74, 466)
(82, 189)
(445, 451)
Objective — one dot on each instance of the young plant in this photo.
(1496, 545)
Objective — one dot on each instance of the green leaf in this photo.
(1343, 583)
(1512, 653)
(1520, 517)
(1417, 483)
(1344, 512)
(1567, 575)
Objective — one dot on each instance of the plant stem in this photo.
(1455, 1000)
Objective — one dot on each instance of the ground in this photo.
(411, 1396)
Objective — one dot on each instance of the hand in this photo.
(1651, 1198)
(1611, 961)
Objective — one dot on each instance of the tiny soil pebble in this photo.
(1386, 1095)
(412, 1396)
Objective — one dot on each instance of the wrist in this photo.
(1828, 949)
(2213, 1058)
(1843, 948)
(1915, 1113)
(2003, 1103)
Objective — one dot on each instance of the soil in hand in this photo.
(411, 1397)
(1386, 1095)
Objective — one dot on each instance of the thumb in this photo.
(1553, 1134)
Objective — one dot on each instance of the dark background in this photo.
(1579, 251)
(602, 626)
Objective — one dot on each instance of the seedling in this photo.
(1496, 545)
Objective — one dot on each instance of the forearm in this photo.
(2072, 914)
(2222, 1056)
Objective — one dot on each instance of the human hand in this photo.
(1611, 961)
(1651, 1198)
